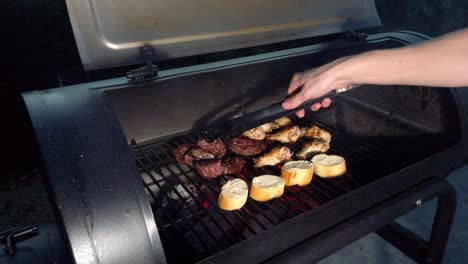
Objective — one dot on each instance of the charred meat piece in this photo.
(215, 147)
(315, 132)
(260, 132)
(210, 169)
(180, 151)
(287, 135)
(245, 146)
(275, 156)
(313, 147)
(233, 165)
(187, 154)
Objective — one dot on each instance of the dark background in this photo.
(39, 52)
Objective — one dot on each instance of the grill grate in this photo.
(185, 206)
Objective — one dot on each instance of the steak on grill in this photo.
(233, 165)
(210, 169)
(215, 147)
(245, 146)
(187, 154)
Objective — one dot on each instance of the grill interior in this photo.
(185, 204)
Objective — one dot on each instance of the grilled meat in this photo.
(313, 147)
(245, 146)
(210, 169)
(283, 121)
(215, 147)
(315, 132)
(259, 133)
(187, 154)
(180, 151)
(256, 133)
(275, 156)
(233, 165)
(287, 135)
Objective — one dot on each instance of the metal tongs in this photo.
(248, 121)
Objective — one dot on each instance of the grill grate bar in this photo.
(270, 203)
(190, 193)
(293, 199)
(254, 217)
(207, 198)
(195, 215)
(193, 141)
(210, 186)
(203, 243)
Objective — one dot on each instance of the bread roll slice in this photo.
(233, 195)
(329, 166)
(297, 173)
(266, 187)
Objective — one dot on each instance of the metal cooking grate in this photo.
(190, 221)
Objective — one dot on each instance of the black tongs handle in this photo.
(276, 110)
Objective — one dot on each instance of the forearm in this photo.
(441, 62)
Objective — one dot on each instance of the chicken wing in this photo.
(313, 147)
(287, 135)
(275, 156)
(283, 121)
(259, 133)
(315, 132)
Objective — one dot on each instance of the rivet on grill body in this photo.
(418, 202)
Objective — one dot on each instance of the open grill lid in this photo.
(112, 33)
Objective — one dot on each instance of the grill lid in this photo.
(112, 33)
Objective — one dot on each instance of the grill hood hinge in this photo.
(147, 71)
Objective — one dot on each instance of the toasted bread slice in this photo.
(329, 166)
(266, 187)
(297, 172)
(233, 195)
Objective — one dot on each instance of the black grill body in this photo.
(121, 198)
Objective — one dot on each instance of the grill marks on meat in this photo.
(215, 147)
(180, 151)
(233, 165)
(206, 157)
(210, 169)
(187, 154)
(245, 146)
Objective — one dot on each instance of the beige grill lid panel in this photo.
(111, 33)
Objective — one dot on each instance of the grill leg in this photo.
(416, 248)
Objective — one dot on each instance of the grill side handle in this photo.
(92, 179)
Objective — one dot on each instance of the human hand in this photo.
(315, 83)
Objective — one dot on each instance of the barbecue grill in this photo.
(121, 197)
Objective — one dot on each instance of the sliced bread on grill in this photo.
(266, 187)
(297, 172)
(329, 166)
(233, 195)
